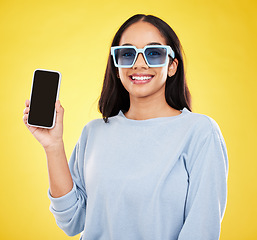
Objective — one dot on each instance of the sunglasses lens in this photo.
(156, 56)
(124, 56)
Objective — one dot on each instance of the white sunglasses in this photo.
(155, 56)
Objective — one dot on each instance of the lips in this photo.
(141, 78)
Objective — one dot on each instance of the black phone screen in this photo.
(43, 97)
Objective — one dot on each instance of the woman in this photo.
(152, 169)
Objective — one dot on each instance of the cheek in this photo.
(122, 73)
(123, 77)
(163, 74)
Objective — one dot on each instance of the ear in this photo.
(172, 68)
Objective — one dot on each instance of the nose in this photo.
(140, 62)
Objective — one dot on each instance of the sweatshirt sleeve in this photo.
(70, 210)
(207, 167)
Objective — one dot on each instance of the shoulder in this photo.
(207, 129)
(88, 130)
(93, 124)
(199, 128)
(99, 125)
(204, 136)
(201, 123)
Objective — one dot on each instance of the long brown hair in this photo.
(114, 97)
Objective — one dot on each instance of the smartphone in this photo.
(44, 93)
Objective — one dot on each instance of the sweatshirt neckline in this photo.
(184, 111)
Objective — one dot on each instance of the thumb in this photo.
(59, 111)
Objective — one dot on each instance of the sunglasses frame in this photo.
(169, 50)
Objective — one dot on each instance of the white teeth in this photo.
(141, 78)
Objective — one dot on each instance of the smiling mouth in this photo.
(142, 79)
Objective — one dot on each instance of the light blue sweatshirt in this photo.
(157, 179)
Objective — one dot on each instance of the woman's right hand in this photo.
(47, 137)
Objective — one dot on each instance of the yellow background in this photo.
(219, 39)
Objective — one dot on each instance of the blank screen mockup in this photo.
(43, 97)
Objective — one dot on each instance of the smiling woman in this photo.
(150, 169)
(142, 34)
(170, 86)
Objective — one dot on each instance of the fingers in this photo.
(59, 111)
(25, 118)
(25, 112)
(26, 109)
(27, 103)
(57, 104)
(58, 107)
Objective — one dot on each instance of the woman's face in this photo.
(139, 35)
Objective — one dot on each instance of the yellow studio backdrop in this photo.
(73, 37)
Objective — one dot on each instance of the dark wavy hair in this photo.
(114, 97)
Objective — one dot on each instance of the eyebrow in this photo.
(151, 43)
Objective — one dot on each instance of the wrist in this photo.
(54, 147)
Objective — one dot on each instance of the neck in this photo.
(147, 108)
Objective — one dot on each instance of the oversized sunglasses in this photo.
(155, 56)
